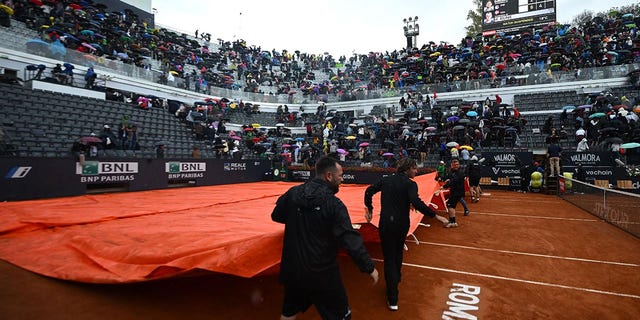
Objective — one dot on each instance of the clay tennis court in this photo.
(517, 256)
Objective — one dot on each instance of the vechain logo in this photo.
(17, 172)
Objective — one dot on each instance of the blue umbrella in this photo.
(57, 49)
(299, 139)
(453, 119)
(630, 145)
(87, 32)
(568, 108)
(123, 55)
(97, 46)
(472, 114)
(37, 44)
(69, 37)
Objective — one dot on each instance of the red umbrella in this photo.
(90, 139)
(364, 144)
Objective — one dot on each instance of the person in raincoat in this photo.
(90, 78)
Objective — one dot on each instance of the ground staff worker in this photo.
(316, 223)
(455, 183)
(398, 193)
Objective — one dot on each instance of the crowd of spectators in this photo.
(603, 123)
(606, 39)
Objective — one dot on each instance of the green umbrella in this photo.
(630, 145)
(597, 115)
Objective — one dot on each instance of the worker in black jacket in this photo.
(399, 192)
(316, 223)
(455, 183)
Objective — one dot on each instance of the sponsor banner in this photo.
(103, 172)
(504, 164)
(350, 177)
(36, 178)
(177, 170)
(588, 159)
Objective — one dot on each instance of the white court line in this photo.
(532, 254)
(521, 280)
(532, 217)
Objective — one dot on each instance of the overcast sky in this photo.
(339, 27)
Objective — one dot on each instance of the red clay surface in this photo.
(517, 256)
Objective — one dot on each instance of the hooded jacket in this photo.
(399, 192)
(316, 223)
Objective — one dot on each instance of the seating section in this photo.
(38, 123)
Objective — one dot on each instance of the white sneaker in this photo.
(392, 307)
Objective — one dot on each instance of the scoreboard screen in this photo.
(515, 15)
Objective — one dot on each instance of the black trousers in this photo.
(392, 237)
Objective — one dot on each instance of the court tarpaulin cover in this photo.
(147, 235)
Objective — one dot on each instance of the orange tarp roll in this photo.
(141, 236)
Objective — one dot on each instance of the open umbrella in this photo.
(452, 144)
(614, 140)
(87, 32)
(387, 154)
(364, 144)
(350, 137)
(90, 139)
(568, 108)
(597, 115)
(470, 148)
(630, 145)
(453, 119)
(37, 44)
(342, 151)
(472, 114)
(88, 46)
(457, 128)
(57, 49)
(7, 9)
(431, 128)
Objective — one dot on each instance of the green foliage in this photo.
(475, 16)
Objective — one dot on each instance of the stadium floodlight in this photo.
(411, 31)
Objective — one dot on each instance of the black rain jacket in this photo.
(316, 224)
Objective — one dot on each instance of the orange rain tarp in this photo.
(142, 236)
